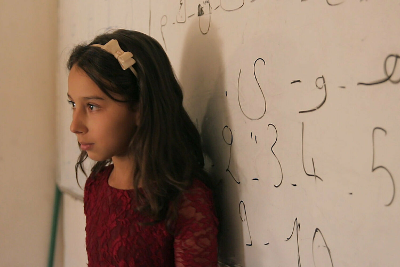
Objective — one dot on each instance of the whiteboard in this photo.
(298, 106)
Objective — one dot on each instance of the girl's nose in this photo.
(77, 125)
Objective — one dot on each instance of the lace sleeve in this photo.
(196, 230)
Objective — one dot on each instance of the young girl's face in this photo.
(102, 126)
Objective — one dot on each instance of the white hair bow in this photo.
(125, 59)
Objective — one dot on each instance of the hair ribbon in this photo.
(125, 59)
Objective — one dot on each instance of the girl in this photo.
(145, 201)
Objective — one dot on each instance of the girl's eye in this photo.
(71, 103)
(92, 107)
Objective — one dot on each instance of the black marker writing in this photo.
(181, 16)
(200, 11)
(238, 5)
(229, 141)
(280, 166)
(302, 154)
(319, 87)
(241, 204)
(149, 16)
(262, 93)
(381, 167)
(255, 137)
(329, 3)
(164, 20)
(317, 231)
(385, 68)
(296, 226)
(204, 13)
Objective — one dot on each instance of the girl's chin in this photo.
(96, 157)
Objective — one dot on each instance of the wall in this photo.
(27, 133)
(74, 232)
(297, 114)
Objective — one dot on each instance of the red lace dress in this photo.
(114, 236)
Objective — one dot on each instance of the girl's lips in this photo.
(86, 146)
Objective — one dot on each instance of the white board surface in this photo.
(298, 105)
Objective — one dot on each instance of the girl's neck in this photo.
(122, 174)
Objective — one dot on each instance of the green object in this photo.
(56, 208)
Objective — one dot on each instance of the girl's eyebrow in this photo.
(88, 97)
(93, 97)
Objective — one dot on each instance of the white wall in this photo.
(235, 67)
(74, 232)
(28, 31)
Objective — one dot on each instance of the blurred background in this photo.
(28, 60)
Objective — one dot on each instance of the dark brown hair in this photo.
(166, 146)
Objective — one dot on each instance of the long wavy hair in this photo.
(166, 147)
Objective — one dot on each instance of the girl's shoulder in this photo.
(197, 197)
(197, 188)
